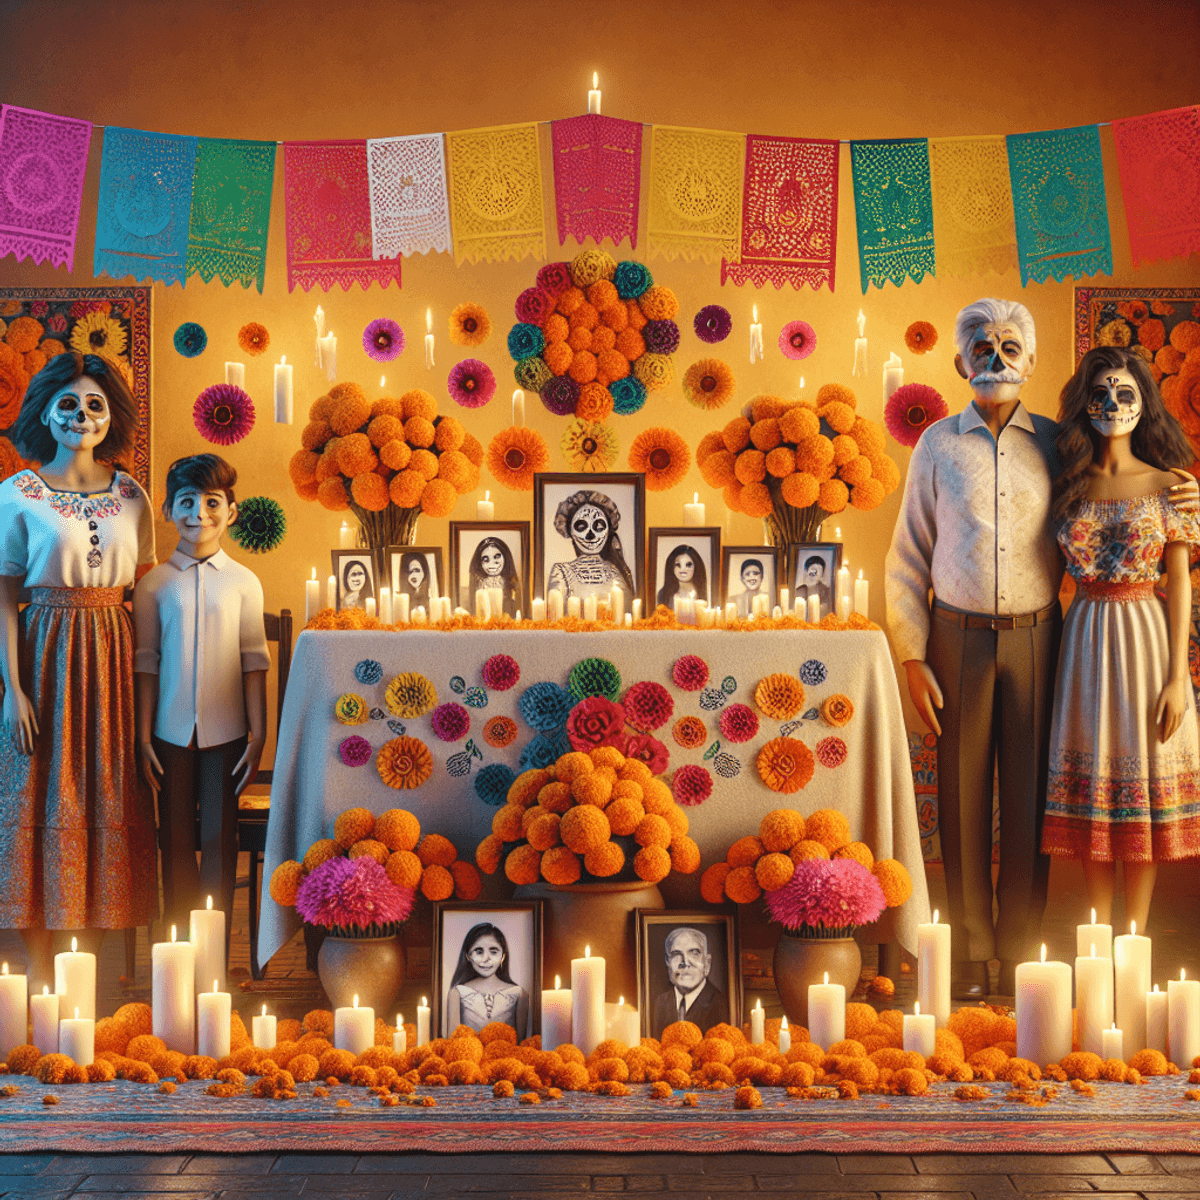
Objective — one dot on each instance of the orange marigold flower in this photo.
(710, 443)
(837, 710)
(404, 868)
(350, 410)
(785, 765)
(781, 829)
(833, 495)
(685, 854)
(708, 383)
(302, 467)
(615, 317)
(370, 491)
(384, 427)
(438, 499)
(712, 883)
(523, 865)
(829, 827)
(756, 500)
(456, 469)
(580, 337)
(736, 434)
(584, 828)
(320, 851)
(602, 294)
(781, 462)
(662, 455)
(560, 866)
(434, 848)
(558, 357)
(624, 814)
(745, 852)
(812, 454)
(779, 696)
(515, 455)
(807, 849)
(331, 494)
(834, 393)
(470, 325)
(857, 471)
(920, 337)
(396, 454)
(253, 338)
(425, 463)
(488, 853)
(404, 763)
(437, 883)
(285, 882)
(751, 466)
(798, 424)
(604, 860)
(352, 826)
(859, 851)
(595, 403)
(315, 434)
(837, 415)
(868, 495)
(355, 456)
(652, 863)
(800, 489)
(765, 433)
(406, 488)
(772, 871)
(23, 334)
(555, 328)
(718, 468)
(417, 402)
(894, 879)
(658, 303)
(449, 433)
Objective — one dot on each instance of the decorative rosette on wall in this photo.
(594, 336)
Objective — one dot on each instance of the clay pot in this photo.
(599, 915)
(800, 961)
(371, 968)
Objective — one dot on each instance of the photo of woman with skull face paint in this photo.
(590, 520)
(492, 567)
(684, 575)
(481, 989)
(79, 849)
(1124, 743)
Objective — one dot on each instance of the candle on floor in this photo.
(693, 514)
(587, 1001)
(262, 1030)
(758, 1020)
(214, 1011)
(400, 1037)
(1156, 1020)
(173, 992)
(861, 594)
(43, 1014)
(77, 1039)
(1112, 1044)
(206, 932)
(423, 1022)
(1131, 965)
(331, 592)
(1099, 936)
(1093, 999)
(933, 969)
(814, 609)
(75, 980)
(594, 94)
(1043, 1010)
(785, 1037)
(556, 1015)
(428, 339)
(235, 374)
(920, 1031)
(1183, 1020)
(283, 391)
(826, 1013)
(312, 597)
(485, 509)
(353, 1028)
(385, 605)
(14, 1004)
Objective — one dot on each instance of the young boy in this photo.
(200, 669)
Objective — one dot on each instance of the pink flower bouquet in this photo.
(827, 898)
(353, 897)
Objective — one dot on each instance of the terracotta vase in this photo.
(599, 915)
(371, 968)
(800, 961)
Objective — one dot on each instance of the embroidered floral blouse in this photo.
(71, 539)
(1122, 541)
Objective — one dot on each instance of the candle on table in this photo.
(77, 1039)
(621, 1021)
(370, 606)
(933, 969)
(418, 615)
(1093, 998)
(587, 1001)
(319, 320)
(347, 536)
(556, 1015)
(776, 612)
(758, 1023)
(423, 1022)
(400, 1037)
(518, 407)
(428, 338)
(637, 609)
(312, 597)
(485, 509)
(262, 1030)
(173, 992)
(629, 620)
(385, 605)
(785, 597)
(1156, 1020)
(75, 980)
(861, 594)
(213, 1014)
(329, 356)
(844, 608)
(1099, 936)
(1112, 1043)
(590, 607)
(842, 588)
(756, 339)
(538, 612)
(14, 1002)
(762, 605)
(1131, 964)
(785, 1037)
(554, 605)
(235, 374)
(893, 375)
(483, 605)
(920, 1031)
(43, 1012)
(283, 391)
(331, 592)
(860, 347)
(353, 1028)
(814, 609)
(730, 612)
(574, 607)
(1183, 1020)
(1043, 1010)
(826, 1013)
(206, 932)
(617, 600)
(594, 94)
(401, 603)
(693, 514)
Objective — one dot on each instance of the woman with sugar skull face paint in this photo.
(79, 851)
(492, 567)
(590, 520)
(1125, 746)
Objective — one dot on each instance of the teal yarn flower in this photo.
(370, 672)
(524, 341)
(190, 339)
(492, 784)
(545, 707)
(260, 525)
(631, 279)
(594, 677)
(544, 750)
(629, 394)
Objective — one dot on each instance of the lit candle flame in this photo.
(754, 310)
(5, 968)
(424, 1001)
(1132, 928)
(620, 1001)
(283, 360)
(399, 1020)
(429, 320)
(214, 987)
(860, 572)
(558, 983)
(826, 976)
(487, 495)
(1043, 952)
(587, 952)
(595, 80)
(916, 1008)
(209, 904)
(758, 1006)
(314, 573)
(74, 945)
(1093, 916)
(785, 1024)
(45, 989)
(383, 381)
(695, 497)
(355, 999)
(172, 933)
(1155, 988)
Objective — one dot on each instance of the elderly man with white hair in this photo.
(691, 996)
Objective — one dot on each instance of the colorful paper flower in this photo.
(738, 723)
(492, 784)
(589, 446)
(837, 710)
(253, 338)
(708, 383)
(691, 785)
(471, 383)
(779, 696)
(368, 672)
(95, 333)
(500, 732)
(350, 709)
(831, 752)
(515, 455)
(912, 408)
(827, 894)
(596, 721)
(648, 705)
(690, 732)
(260, 524)
(920, 337)
(555, 278)
(470, 325)
(661, 337)
(525, 340)
(590, 266)
(532, 374)
(533, 306)
(797, 339)
(545, 706)
(648, 750)
(383, 339)
(354, 750)
(543, 751)
(344, 893)
(450, 722)
(410, 695)
(785, 765)
(628, 395)
(404, 763)
(631, 279)
(190, 339)
(223, 414)
(713, 323)
(813, 672)
(594, 677)
(661, 455)
(500, 672)
(689, 672)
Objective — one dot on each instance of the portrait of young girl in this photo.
(684, 575)
(356, 584)
(492, 568)
(482, 989)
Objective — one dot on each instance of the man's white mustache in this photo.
(1008, 375)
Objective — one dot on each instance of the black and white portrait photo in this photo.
(813, 568)
(684, 563)
(416, 572)
(355, 573)
(750, 571)
(491, 556)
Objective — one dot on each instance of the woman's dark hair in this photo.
(477, 577)
(666, 593)
(367, 590)
(465, 972)
(204, 472)
(421, 595)
(34, 440)
(1157, 439)
(611, 552)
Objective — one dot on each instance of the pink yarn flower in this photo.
(533, 306)
(352, 892)
(354, 750)
(831, 752)
(690, 673)
(911, 410)
(738, 723)
(450, 722)
(383, 339)
(223, 414)
(797, 339)
(828, 894)
(648, 750)
(555, 278)
(648, 705)
(500, 672)
(692, 785)
(595, 722)
(471, 383)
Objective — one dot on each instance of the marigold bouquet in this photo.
(796, 463)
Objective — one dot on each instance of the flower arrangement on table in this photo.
(387, 460)
(794, 463)
(368, 873)
(594, 336)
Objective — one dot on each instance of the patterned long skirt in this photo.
(77, 839)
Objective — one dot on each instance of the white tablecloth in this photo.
(873, 787)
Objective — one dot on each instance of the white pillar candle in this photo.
(776, 612)
(1183, 1020)
(1131, 963)
(283, 391)
(893, 376)
(556, 1015)
(385, 605)
(554, 605)
(331, 592)
(485, 509)
(483, 605)
(370, 606)
(14, 1004)
(75, 981)
(756, 338)
(262, 1030)
(518, 407)
(1093, 999)
(574, 607)
(860, 347)
(173, 994)
(637, 609)
(77, 1039)
(1156, 1020)
(206, 932)
(428, 339)
(43, 1012)
(617, 600)
(538, 612)
(933, 969)
(329, 356)
(693, 514)
(1099, 936)
(842, 587)
(758, 1020)
(235, 374)
(423, 1022)
(347, 536)
(214, 1012)
(1112, 1044)
(730, 612)
(629, 620)
(826, 1013)
(814, 609)
(785, 1037)
(418, 615)
(621, 1021)
(401, 607)
(843, 609)
(319, 320)
(400, 1037)
(1043, 1010)
(587, 1001)
(861, 594)
(920, 1031)
(312, 597)
(594, 94)
(590, 607)
(353, 1028)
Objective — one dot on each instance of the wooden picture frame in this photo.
(466, 539)
(732, 560)
(435, 576)
(342, 560)
(1095, 308)
(665, 545)
(453, 922)
(554, 550)
(720, 1000)
(799, 555)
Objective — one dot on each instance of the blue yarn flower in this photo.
(629, 394)
(190, 339)
(524, 341)
(260, 524)
(545, 706)
(476, 697)
(492, 784)
(544, 751)
(631, 279)
(813, 672)
(368, 671)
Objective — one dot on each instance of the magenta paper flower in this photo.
(829, 894)
(648, 750)
(712, 323)
(354, 750)
(383, 339)
(533, 306)
(797, 339)
(738, 723)
(471, 383)
(596, 722)
(560, 395)
(450, 722)
(223, 414)
(352, 892)
(648, 705)
(692, 785)
(661, 337)
(690, 672)
(555, 278)
(911, 410)
(831, 752)
(501, 672)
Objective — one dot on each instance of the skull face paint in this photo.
(78, 415)
(589, 529)
(1115, 403)
(997, 355)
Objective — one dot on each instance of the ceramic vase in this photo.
(802, 959)
(371, 968)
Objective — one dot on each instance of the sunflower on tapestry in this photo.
(589, 446)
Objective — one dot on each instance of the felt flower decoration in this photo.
(492, 784)
(661, 337)
(500, 732)
(648, 750)
(351, 709)
(515, 455)
(500, 672)
(911, 410)
(470, 325)
(560, 395)
(544, 750)
(594, 677)
(691, 785)
(223, 414)
(785, 765)
(632, 279)
(533, 306)
(920, 337)
(648, 705)
(708, 383)
(253, 338)
(95, 333)
(545, 706)
(555, 278)
(738, 723)
(690, 672)
(532, 374)
(661, 455)
(525, 340)
(813, 672)
(831, 752)
(596, 721)
(837, 710)
(780, 696)
(410, 695)
(451, 722)
(190, 339)
(354, 750)
(260, 524)
(471, 383)
(690, 733)
(628, 395)
(404, 763)
(590, 266)
(588, 446)
(713, 323)
(797, 339)
(369, 671)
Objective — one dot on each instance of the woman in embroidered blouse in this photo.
(590, 520)
(481, 989)
(77, 843)
(1124, 744)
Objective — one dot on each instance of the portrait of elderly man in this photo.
(691, 994)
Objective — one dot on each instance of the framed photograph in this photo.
(688, 968)
(415, 572)
(684, 562)
(355, 574)
(749, 571)
(487, 965)
(492, 555)
(812, 569)
(588, 534)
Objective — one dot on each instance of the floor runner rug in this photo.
(124, 1117)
